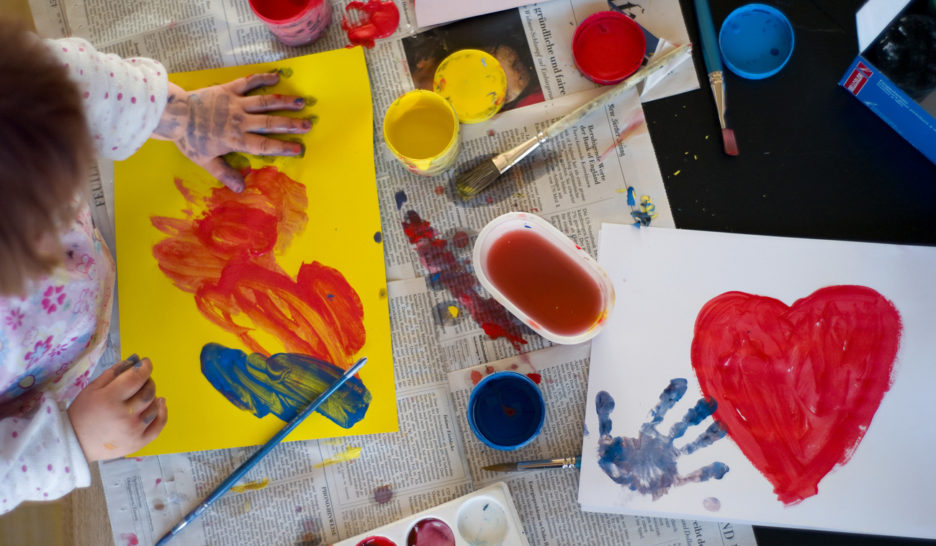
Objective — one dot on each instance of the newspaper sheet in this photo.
(317, 492)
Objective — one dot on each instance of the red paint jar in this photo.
(608, 47)
(294, 22)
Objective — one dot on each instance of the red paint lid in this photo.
(608, 46)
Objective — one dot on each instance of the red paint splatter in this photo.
(383, 494)
(224, 253)
(460, 239)
(440, 190)
(375, 19)
(491, 132)
(475, 377)
(535, 377)
(797, 386)
(131, 538)
(443, 266)
(158, 481)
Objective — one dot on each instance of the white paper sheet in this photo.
(663, 278)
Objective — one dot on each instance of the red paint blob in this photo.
(797, 386)
(544, 282)
(535, 377)
(608, 46)
(376, 541)
(224, 253)
(375, 19)
(430, 532)
(475, 377)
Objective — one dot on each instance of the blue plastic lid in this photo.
(756, 41)
(506, 410)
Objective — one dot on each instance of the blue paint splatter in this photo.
(400, 197)
(647, 464)
(378, 237)
(282, 384)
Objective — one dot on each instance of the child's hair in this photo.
(45, 150)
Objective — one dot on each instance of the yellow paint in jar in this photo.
(473, 82)
(421, 130)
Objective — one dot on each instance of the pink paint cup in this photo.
(294, 22)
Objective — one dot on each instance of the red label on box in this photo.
(859, 76)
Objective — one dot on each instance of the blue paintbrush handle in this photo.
(708, 36)
(261, 453)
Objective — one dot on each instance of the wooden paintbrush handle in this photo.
(584, 110)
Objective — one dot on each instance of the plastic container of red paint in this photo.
(608, 47)
(543, 278)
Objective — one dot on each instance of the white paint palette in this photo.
(486, 517)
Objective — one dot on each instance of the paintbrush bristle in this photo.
(731, 145)
(469, 184)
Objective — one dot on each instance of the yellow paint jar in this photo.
(473, 82)
(421, 130)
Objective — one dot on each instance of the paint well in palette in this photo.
(486, 517)
(430, 532)
(482, 522)
(377, 541)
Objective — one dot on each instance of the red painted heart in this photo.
(797, 386)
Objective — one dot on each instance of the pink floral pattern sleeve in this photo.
(51, 339)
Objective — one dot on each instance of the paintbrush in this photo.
(261, 453)
(568, 462)
(470, 183)
(714, 67)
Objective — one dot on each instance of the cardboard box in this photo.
(895, 73)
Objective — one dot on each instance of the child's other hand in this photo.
(207, 123)
(118, 413)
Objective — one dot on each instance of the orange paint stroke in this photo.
(224, 253)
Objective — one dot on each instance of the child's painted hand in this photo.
(118, 413)
(207, 123)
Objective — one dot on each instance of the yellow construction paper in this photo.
(159, 320)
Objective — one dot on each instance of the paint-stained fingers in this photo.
(258, 104)
(129, 382)
(261, 145)
(143, 398)
(157, 422)
(224, 173)
(247, 84)
(276, 124)
(105, 378)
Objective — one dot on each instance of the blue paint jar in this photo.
(756, 41)
(506, 410)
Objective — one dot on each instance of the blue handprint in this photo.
(647, 464)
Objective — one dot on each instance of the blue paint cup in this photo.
(506, 411)
(756, 41)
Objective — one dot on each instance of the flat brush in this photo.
(714, 68)
(567, 462)
(472, 182)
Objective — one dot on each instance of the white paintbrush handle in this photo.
(582, 111)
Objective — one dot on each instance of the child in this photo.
(56, 275)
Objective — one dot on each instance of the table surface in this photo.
(814, 162)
